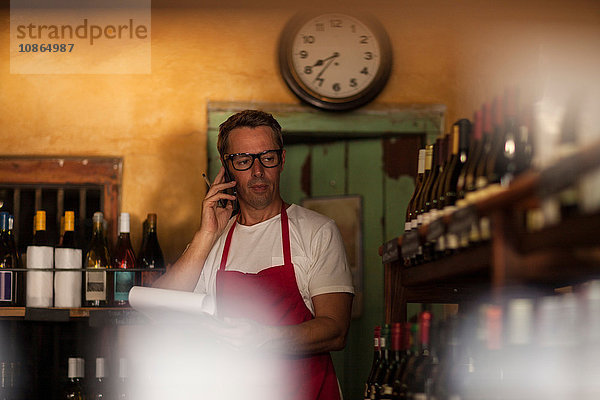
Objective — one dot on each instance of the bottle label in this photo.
(123, 284)
(382, 342)
(426, 218)
(95, 286)
(6, 280)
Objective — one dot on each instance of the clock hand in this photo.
(318, 63)
(333, 57)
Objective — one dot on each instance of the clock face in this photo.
(335, 61)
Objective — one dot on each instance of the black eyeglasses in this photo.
(244, 161)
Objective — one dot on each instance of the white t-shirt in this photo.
(318, 254)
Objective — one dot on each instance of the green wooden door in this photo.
(356, 167)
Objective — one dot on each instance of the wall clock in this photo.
(335, 61)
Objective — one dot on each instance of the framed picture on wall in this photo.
(346, 211)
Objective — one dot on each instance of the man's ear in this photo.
(282, 159)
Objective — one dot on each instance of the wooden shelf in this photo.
(449, 268)
(561, 255)
(97, 316)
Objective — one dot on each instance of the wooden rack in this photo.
(556, 256)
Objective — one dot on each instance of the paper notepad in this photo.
(165, 304)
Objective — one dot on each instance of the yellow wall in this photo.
(458, 53)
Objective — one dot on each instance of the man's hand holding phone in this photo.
(214, 215)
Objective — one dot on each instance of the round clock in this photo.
(335, 61)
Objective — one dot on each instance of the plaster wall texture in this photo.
(454, 53)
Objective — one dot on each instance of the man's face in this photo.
(258, 186)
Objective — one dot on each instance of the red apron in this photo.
(272, 297)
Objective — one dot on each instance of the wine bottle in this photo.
(480, 176)
(460, 145)
(508, 164)
(419, 207)
(488, 371)
(151, 256)
(384, 344)
(452, 367)
(76, 374)
(402, 387)
(465, 179)
(491, 171)
(568, 143)
(438, 190)
(8, 261)
(488, 179)
(518, 352)
(418, 184)
(398, 387)
(100, 391)
(498, 158)
(68, 255)
(418, 385)
(122, 392)
(396, 365)
(375, 363)
(68, 238)
(459, 157)
(40, 236)
(6, 381)
(97, 261)
(420, 199)
(124, 258)
(435, 170)
(524, 150)
(40, 256)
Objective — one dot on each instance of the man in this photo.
(278, 271)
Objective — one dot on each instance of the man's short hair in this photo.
(249, 119)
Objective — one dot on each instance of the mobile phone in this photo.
(231, 191)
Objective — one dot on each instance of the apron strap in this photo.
(285, 236)
(285, 239)
(227, 245)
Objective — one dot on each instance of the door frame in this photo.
(299, 121)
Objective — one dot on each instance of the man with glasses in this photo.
(278, 271)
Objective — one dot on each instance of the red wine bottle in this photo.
(417, 386)
(402, 388)
(398, 360)
(460, 145)
(151, 256)
(459, 157)
(375, 363)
